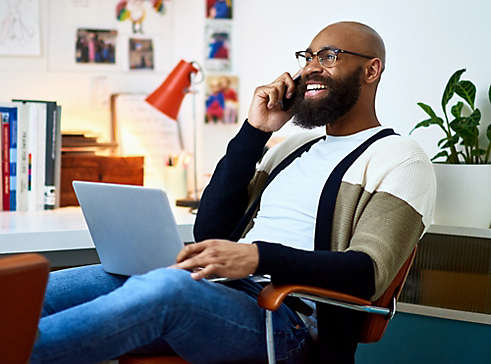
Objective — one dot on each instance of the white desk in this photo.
(62, 234)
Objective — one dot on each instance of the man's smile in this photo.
(315, 90)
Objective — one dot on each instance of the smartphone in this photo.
(286, 104)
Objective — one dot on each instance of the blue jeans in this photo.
(90, 316)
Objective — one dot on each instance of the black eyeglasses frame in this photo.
(336, 51)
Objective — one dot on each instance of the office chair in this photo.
(378, 312)
(23, 281)
(271, 297)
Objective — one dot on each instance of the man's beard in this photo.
(341, 96)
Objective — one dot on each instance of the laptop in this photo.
(132, 227)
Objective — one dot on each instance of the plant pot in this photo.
(463, 195)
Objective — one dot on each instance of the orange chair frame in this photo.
(23, 280)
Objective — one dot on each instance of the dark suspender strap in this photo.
(237, 233)
(327, 202)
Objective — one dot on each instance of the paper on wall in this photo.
(20, 28)
(142, 130)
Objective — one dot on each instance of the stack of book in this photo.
(30, 155)
(80, 144)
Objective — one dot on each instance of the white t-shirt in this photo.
(289, 204)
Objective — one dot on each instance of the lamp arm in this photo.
(195, 157)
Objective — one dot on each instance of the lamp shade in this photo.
(167, 98)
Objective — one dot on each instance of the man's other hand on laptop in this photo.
(222, 258)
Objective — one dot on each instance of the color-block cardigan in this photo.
(384, 205)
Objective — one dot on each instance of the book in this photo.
(11, 176)
(13, 158)
(50, 155)
(22, 156)
(58, 157)
(1, 175)
(36, 150)
(5, 140)
(77, 140)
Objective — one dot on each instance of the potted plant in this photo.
(462, 165)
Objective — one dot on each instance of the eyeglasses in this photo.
(327, 56)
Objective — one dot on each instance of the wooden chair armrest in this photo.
(15, 264)
(271, 297)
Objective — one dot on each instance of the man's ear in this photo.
(373, 70)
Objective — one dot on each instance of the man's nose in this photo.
(313, 67)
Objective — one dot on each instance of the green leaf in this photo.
(478, 152)
(448, 142)
(450, 88)
(488, 133)
(457, 124)
(474, 118)
(468, 135)
(465, 129)
(489, 93)
(468, 130)
(457, 109)
(463, 124)
(427, 122)
(428, 110)
(467, 91)
(443, 153)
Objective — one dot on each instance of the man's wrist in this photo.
(255, 258)
(251, 131)
(259, 127)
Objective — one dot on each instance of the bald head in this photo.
(355, 37)
(338, 90)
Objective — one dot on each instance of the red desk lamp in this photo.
(167, 98)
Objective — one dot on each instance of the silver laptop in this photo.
(132, 227)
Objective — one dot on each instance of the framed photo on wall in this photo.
(99, 16)
(96, 46)
(141, 54)
(222, 101)
(219, 9)
(218, 46)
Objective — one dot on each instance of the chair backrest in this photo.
(375, 325)
(23, 281)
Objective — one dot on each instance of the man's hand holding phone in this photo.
(267, 112)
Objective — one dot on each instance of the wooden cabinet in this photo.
(94, 168)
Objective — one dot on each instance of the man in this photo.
(291, 221)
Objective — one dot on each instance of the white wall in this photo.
(83, 90)
(426, 42)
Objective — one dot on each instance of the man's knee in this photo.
(166, 285)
